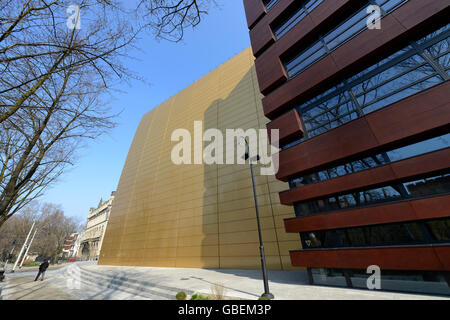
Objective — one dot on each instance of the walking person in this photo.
(42, 268)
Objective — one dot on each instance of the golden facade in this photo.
(200, 216)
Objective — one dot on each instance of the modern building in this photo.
(90, 241)
(363, 109)
(198, 215)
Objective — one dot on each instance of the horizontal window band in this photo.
(404, 76)
(432, 207)
(348, 59)
(387, 258)
(424, 232)
(385, 129)
(407, 189)
(374, 160)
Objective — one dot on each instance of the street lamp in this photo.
(266, 293)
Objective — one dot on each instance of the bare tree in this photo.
(52, 225)
(53, 229)
(57, 68)
(170, 18)
(52, 89)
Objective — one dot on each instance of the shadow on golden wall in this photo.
(198, 215)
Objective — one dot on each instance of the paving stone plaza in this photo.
(88, 281)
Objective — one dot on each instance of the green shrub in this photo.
(181, 296)
(196, 296)
(264, 298)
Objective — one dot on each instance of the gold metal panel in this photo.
(199, 216)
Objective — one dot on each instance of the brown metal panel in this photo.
(269, 70)
(421, 112)
(333, 145)
(337, 185)
(443, 253)
(254, 10)
(420, 10)
(328, 8)
(305, 82)
(360, 49)
(420, 209)
(397, 212)
(290, 126)
(261, 34)
(380, 128)
(403, 258)
(370, 42)
(435, 207)
(261, 37)
(265, 65)
(430, 162)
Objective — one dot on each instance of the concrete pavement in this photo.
(25, 288)
(88, 281)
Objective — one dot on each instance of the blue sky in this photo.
(169, 68)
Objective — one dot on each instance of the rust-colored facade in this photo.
(360, 93)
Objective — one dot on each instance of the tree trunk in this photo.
(3, 219)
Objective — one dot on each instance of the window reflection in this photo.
(409, 151)
(440, 229)
(379, 235)
(394, 192)
(270, 3)
(299, 10)
(335, 38)
(411, 70)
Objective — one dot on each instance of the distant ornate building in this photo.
(92, 238)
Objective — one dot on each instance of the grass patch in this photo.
(33, 264)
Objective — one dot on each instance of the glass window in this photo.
(346, 30)
(440, 229)
(409, 151)
(407, 72)
(408, 233)
(339, 35)
(299, 10)
(270, 4)
(388, 193)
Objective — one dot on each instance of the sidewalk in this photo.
(25, 288)
(164, 283)
(32, 269)
(247, 284)
(95, 282)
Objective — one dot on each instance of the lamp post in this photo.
(266, 293)
(23, 248)
(28, 248)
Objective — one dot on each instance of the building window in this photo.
(415, 68)
(417, 188)
(335, 38)
(298, 12)
(410, 233)
(376, 160)
(440, 229)
(270, 4)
